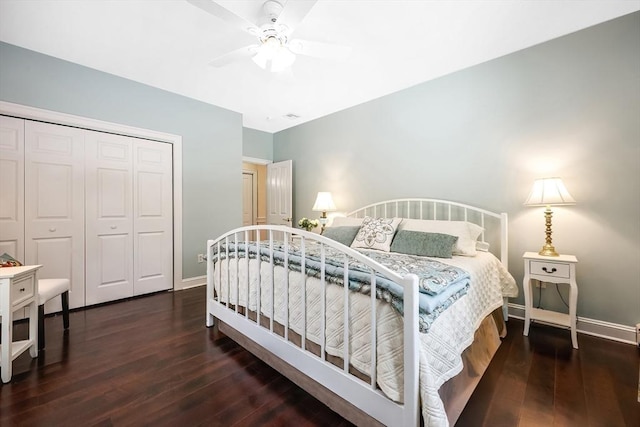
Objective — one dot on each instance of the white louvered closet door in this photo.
(54, 205)
(12, 187)
(109, 217)
(153, 213)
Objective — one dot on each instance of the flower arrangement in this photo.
(308, 224)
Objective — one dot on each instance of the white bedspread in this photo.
(441, 347)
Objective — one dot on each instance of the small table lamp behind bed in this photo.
(324, 203)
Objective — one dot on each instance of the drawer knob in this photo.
(52, 229)
(553, 270)
(113, 227)
(22, 289)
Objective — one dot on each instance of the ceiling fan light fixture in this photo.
(274, 53)
(266, 51)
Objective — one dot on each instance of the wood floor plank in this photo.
(225, 404)
(605, 394)
(511, 386)
(507, 380)
(570, 403)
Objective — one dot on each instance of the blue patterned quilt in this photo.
(440, 284)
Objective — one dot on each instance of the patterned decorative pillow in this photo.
(424, 244)
(344, 235)
(376, 233)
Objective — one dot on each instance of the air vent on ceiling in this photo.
(292, 116)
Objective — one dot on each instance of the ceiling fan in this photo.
(275, 50)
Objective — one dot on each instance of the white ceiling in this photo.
(395, 44)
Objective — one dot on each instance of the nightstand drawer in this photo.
(550, 269)
(22, 289)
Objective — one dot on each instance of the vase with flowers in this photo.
(308, 224)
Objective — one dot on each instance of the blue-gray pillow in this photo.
(344, 235)
(424, 244)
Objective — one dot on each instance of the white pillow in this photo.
(467, 232)
(376, 233)
(343, 221)
(482, 246)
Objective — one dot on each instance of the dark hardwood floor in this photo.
(151, 361)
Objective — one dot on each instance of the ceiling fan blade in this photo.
(234, 55)
(226, 15)
(319, 49)
(293, 13)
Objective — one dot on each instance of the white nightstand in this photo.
(18, 289)
(560, 269)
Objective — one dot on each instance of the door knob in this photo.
(287, 219)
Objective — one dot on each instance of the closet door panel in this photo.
(47, 252)
(109, 215)
(54, 205)
(12, 187)
(153, 217)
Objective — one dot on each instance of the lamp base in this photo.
(323, 221)
(548, 250)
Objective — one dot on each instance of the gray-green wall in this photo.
(569, 107)
(257, 144)
(211, 136)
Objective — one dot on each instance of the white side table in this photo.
(560, 269)
(18, 289)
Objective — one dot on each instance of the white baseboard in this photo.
(191, 282)
(597, 328)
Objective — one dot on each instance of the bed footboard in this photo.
(238, 289)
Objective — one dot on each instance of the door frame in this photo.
(39, 114)
(256, 161)
(254, 195)
(262, 162)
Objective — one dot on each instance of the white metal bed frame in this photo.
(363, 395)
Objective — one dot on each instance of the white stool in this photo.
(48, 289)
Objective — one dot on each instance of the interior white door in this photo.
(109, 217)
(153, 217)
(54, 205)
(279, 193)
(12, 187)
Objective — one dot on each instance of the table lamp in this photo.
(324, 203)
(549, 192)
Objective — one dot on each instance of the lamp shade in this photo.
(549, 192)
(324, 202)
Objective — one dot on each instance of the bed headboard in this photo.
(495, 225)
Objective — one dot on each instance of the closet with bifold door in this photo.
(90, 206)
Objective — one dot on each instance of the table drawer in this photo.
(22, 289)
(550, 269)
